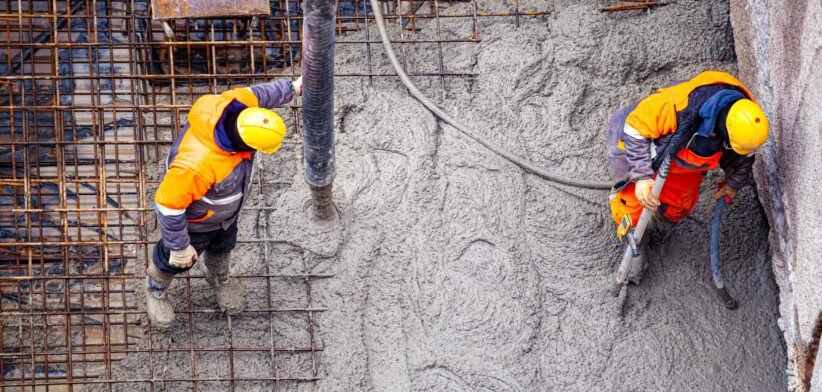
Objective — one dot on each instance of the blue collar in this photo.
(228, 123)
(709, 112)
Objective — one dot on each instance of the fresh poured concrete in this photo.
(455, 270)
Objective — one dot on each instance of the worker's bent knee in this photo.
(673, 214)
(624, 203)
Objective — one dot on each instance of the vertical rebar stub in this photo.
(318, 99)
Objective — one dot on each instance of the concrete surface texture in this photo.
(779, 46)
(455, 270)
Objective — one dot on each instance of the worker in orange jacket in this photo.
(709, 121)
(207, 180)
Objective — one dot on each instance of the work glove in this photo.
(725, 190)
(644, 193)
(298, 86)
(183, 258)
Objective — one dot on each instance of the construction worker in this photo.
(207, 180)
(706, 122)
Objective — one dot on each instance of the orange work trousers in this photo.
(679, 194)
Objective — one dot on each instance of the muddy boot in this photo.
(158, 307)
(726, 298)
(229, 292)
(660, 230)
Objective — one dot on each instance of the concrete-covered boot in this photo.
(229, 292)
(158, 307)
(660, 230)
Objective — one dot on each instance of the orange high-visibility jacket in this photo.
(204, 186)
(655, 119)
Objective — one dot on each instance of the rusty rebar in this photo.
(92, 94)
(632, 5)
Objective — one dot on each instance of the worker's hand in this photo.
(645, 194)
(298, 86)
(183, 258)
(724, 190)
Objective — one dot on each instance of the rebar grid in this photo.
(92, 93)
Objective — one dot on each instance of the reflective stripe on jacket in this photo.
(204, 186)
(645, 129)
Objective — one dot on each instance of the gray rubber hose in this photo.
(517, 160)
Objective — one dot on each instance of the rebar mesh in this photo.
(92, 93)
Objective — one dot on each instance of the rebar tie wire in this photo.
(436, 110)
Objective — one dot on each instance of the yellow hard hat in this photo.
(747, 126)
(261, 129)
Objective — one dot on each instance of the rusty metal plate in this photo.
(178, 9)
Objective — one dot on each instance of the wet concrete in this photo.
(455, 270)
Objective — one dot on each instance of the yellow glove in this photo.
(183, 258)
(644, 193)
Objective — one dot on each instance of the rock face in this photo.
(779, 50)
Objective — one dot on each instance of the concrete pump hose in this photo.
(716, 223)
(519, 161)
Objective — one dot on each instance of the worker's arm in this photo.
(638, 153)
(180, 187)
(267, 95)
(276, 93)
(738, 169)
(652, 118)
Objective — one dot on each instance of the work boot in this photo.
(158, 308)
(660, 229)
(229, 292)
